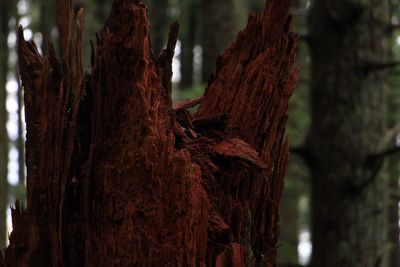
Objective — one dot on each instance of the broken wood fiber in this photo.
(117, 176)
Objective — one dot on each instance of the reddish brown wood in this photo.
(117, 176)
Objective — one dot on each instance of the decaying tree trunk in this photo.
(117, 176)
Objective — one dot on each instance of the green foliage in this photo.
(187, 93)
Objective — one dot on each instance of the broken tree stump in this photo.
(118, 176)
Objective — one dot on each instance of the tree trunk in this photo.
(159, 21)
(348, 51)
(117, 176)
(47, 21)
(102, 8)
(393, 212)
(255, 5)
(218, 30)
(188, 39)
(393, 166)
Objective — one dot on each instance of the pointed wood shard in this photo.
(189, 103)
(238, 149)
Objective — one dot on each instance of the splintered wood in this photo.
(117, 176)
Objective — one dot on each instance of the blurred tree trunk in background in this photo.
(5, 9)
(47, 22)
(219, 22)
(390, 140)
(349, 52)
(393, 172)
(101, 10)
(255, 5)
(393, 211)
(117, 176)
(189, 21)
(159, 21)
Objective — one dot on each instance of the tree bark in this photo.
(188, 41)
(159, 21)
(218, 30)
(393, 212)
(47, 21)
(101, 11)
(348, 42)
(393, 166)
(255, 5)
(117, 176)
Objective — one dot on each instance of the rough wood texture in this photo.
(117, 176)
